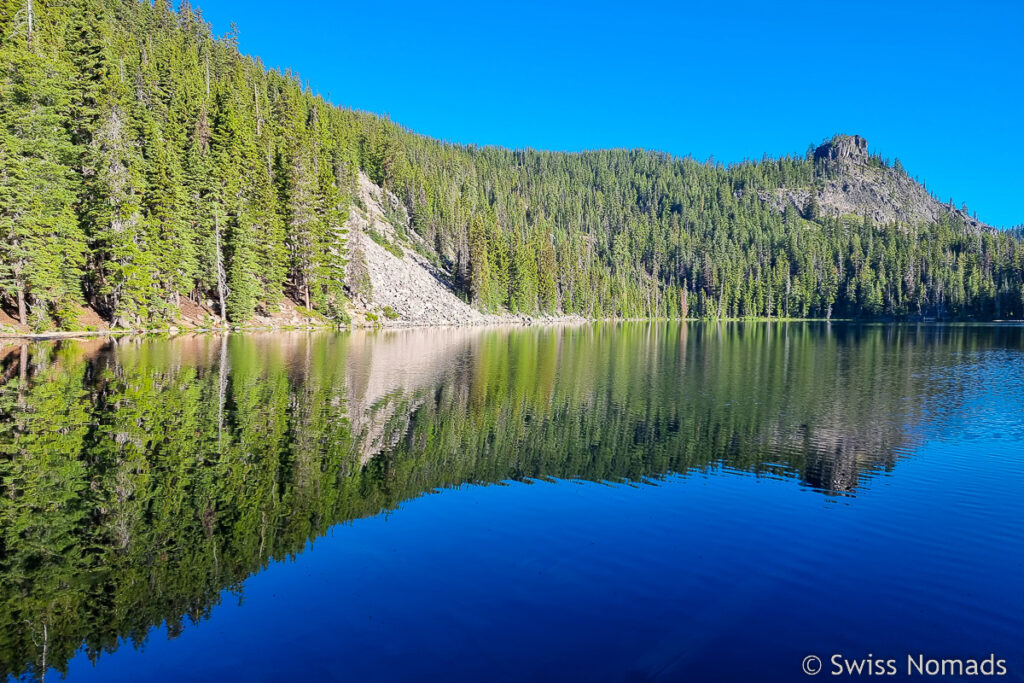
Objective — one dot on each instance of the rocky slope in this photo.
(860, 184)
(389, 279)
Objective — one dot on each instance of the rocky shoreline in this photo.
(518, 320)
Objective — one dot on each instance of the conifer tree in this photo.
(547, 287)
(42, 253)
(130, 133)
(480, 270)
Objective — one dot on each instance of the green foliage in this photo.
(128, 132)
(636, 234)
(143, 160)
(385, 242)
(308, 312)
(390, 313)
(480, 288)
(42, 252)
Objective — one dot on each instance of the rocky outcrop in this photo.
(842, 148)
(852, 183)
(388, 279)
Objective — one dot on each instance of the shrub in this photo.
(383, 241)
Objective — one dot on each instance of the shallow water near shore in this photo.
(619, 501)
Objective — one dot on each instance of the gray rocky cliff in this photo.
(853, 183)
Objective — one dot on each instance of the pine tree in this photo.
(42, 253)
(124, 280)
(129, 133)
(304, 225)
(480, 270)
(547, 287)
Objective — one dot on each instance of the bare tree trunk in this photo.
(22, 312)
(31, 22)
(256, 99)
(223, 389)
(20, 284)
(789, 289)
(22, 375)
(263, 532)
(305, 290)
(220, 268)
(46, 649)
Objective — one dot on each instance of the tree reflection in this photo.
(143, 477)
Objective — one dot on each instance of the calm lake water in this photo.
(601, 502)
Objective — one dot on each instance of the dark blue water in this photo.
(793, 491)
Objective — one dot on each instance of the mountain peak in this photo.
(850, 182)
(843, 147)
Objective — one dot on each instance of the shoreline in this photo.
(517, 321)
(495, 321)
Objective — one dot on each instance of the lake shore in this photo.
(491, 320)
(518, 320)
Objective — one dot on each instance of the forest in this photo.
(145, 161)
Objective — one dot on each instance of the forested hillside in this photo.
(145, 164)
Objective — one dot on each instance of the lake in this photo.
(634, 501)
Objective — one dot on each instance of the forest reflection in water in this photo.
(141, 477)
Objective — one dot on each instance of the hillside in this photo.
(150, 175)
(388, 278)
(852, 182)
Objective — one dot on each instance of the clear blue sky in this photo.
(940, 85)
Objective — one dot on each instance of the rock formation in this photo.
(843, 147)
(853, 183)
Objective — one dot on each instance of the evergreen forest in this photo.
(146, 163)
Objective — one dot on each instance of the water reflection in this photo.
(141, 476)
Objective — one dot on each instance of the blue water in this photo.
(714, 573)
(718, 577)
